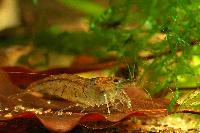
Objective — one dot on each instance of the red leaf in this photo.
(95, 117)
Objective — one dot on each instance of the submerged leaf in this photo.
(60, 115)
(191, 102)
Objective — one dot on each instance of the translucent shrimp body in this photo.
(87, 92)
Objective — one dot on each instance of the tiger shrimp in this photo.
(87, 92)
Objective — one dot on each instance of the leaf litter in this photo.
(61, 115)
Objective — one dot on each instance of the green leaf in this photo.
(84, 6)
(190, 101)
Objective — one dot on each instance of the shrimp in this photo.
(88, 92)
